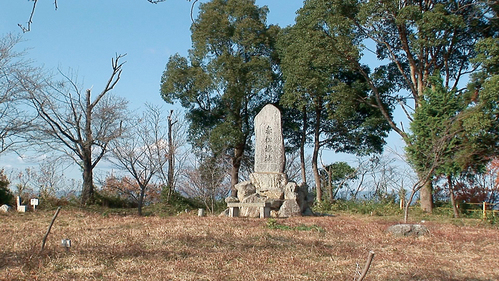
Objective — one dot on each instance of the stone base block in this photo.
(244, 189)
(289, 208)
(270, 185)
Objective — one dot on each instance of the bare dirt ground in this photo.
(187, 247)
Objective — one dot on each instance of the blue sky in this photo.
(84, 35)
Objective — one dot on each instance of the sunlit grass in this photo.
(119, 246)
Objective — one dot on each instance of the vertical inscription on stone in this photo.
(269, 144)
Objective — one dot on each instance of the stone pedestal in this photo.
(270, 185)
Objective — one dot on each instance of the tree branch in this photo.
(30, 20)
(113, 80)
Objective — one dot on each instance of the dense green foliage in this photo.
(413, 41)
(337, 100)
(336, 177)
(436, 137)
(332, 104)
(6, 195)
(227, 77)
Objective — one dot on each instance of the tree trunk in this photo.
(171, 154)
(426, 197)
(317, 177)
(315, 155)
(141, 199)
(303, 141)
(452, 198)
(87, 193)
(330, 185)
(236, 165)
(359, 186)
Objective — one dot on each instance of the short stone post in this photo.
(66, 243)
(201, 212)
(233, 212)
(265, 211)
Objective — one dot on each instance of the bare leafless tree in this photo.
(49, 179)
(73, 123)
(24, 181)
(144, 150)
(13, 69)
(27, 28)
(207, 180)
(294, 169)
(177, 152)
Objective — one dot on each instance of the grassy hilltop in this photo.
(188, 247)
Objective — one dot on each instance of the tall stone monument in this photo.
(269, 145)
(269, 183)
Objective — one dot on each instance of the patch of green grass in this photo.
(365, 207)
(273, 224)
(442, 213)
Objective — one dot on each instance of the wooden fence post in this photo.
(484, 215)
(366, 267)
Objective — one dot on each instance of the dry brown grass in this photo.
(188, 247)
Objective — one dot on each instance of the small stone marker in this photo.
(66, 243)
(269, 143)
(34, 203)
(20, 208)
(201, 212)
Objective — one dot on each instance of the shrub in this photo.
(371, 207)
(179, 203)
(50, 202)
(6, 196)
(113, 200)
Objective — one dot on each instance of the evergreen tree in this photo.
(336, 107)
(452, 135)
(413, 40)
(226, 79)
(6, 195)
